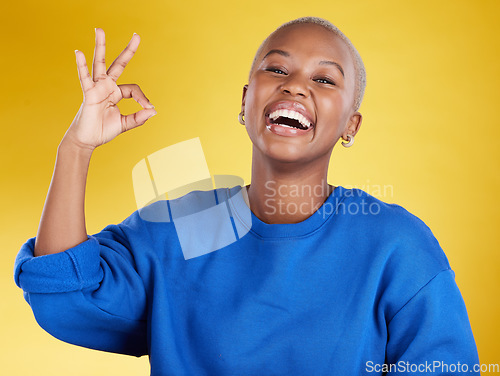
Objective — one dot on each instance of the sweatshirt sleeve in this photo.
(91, 295)
(431, 333)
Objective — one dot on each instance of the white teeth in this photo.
(288, 126)
(291, 114)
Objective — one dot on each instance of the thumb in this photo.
(139, 118)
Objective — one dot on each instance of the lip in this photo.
(286, 131)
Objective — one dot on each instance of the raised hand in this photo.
(99, 120)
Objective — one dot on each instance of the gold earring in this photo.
(241, 118)
(350, 141)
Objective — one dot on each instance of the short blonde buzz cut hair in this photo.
(359, 67)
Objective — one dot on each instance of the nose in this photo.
(295, 86)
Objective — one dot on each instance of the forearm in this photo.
(62, 224)
(97, 122)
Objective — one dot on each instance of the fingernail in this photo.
(76, 51)
(153, 114)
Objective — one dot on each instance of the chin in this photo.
(284, 152)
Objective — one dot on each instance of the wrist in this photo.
(69, 145)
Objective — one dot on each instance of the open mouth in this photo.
(290, 119)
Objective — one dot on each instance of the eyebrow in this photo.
(322, 62)
(328, 62)
(280, 52)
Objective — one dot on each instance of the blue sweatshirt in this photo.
(204, 287)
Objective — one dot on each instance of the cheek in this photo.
(258, 92)
(332, 107)
(251, 106)
(254, 106)
(335, 110)
(249, 103)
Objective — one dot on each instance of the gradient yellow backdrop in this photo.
(430, 128)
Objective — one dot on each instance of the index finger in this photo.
(116, 69)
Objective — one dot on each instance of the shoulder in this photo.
(400, 235)
(188, 204)
(388, 218)
(359, 202)
(185, 217)
(398, 246)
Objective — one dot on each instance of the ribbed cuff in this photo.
(71, 270)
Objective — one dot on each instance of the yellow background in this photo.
(430, 128)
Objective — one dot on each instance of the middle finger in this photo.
(99, 64)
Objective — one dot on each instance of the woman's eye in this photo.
(275, 70)
(324, 81)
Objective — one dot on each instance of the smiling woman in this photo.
(305, 71)
(314, 280)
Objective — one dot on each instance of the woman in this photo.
(318, 280)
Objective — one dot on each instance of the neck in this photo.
(287, 192)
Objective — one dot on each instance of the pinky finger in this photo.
(134, 120)
(83, 71)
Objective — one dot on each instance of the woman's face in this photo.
(299, 100)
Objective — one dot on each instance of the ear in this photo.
(353, 125)
(243, 99)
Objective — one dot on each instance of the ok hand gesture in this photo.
(99, 120)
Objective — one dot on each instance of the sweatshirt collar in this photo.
(247, 219)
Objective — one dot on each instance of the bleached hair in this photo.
(359, 67)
